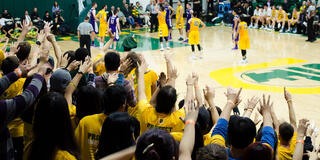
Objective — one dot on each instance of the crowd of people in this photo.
(114, 106)
(278, 17)
(10, 25)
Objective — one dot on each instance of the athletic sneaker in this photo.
(186, 41)
(180, 39)
(251, 25)
(279, 25)
(282, 30)
(168, 48)
(235, 48)
(200, 55)
(169, 38)
(161, 49)
(288, 30)
(294, 30)
(193, 57)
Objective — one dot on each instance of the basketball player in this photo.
(274, 17)
(103, 26)
(93, 20)
(163, 28)
(114, 25)
(194, 35)
(235, 37)
(179, 19)
(282, 18)
(244, 41)
(188, 25)
(169, 12)
(255, 18)
(292, 22)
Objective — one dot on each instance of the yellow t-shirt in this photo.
(73, 118)
(16, 125)
(195, 24)
(100, 67)
(102, 15)
(287, 153)
(60, 154)
(274, 13)
(207, 139)
(149, 118)
(87, 135)
(295, 15)
(150, 79)
(162, 18)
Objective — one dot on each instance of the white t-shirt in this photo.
(256, 12)
(269, 12)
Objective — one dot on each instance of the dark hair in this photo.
(286, 131)
(134, 58)
(242, 18)
(115, 12)
(24, 50)
(86, 18)
(212, 152)
(88, 101)
(116, 133)
(161, 7)
(204, 120)
(70, 55)
(166, 99)
(27, 115)
(52, 128)
(81, 54)
(9, 64)
(114, 97)
(257, 151)
(94, 3)
(241, 132)
(156, 144)
(54, 4)
(112, 61)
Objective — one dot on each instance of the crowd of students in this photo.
(274, 17)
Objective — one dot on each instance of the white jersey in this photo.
(267, 12)
(257, 12)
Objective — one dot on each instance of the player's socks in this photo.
(101, 45)
(193, 56)
(235, 47)
(168, 47)
(161, 45)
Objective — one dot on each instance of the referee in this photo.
(85, 31)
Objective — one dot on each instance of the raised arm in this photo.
(265, 110)
(250, 106)
(187, 142)
(141, 86)
(292, 115)
(125, 154)
(302, 128)
(197, 92)
(275, 120)
(25, 29)
(232, 101)
(83, 69)
(209, 94)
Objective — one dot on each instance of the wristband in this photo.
(300, 141)
(75, 87)
(250, 110)
(79, 72)
(231, 102)
(18, 72)
(190, 122)
(195, 86)
(289, 100)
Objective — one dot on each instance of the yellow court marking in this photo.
(226, 77)
(65, 38)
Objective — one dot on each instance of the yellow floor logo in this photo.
(273, 76)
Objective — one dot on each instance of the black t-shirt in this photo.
(47, 18)
(7, 16)
(34, 16)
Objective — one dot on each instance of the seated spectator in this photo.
(144, 16)
(35, 15)
(125, 130)
(255, 18)
(27, 18)
(6, 14)
(121, 16)
(128, 14)
(47, 18)
(293, 21)
(111, 13)
(136, 16)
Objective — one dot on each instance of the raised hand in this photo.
(26, 26)
(73, 65)
(191, 110)
(142, 68)
(265, 105)
(233, 96)
(124, 66)
(209, 93)
(195, 76)
(302, 127)
(190, 80)
(44, 55)
(47, 28)
(51, 38)
(252, 103)
(162, 79)
(173, 73)
(64, 61)
(287, 95)
(84, 67)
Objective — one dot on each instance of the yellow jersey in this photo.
(295, 15)
(179, 9)
(207, 139)
(149, 118)
(243, 32)
(195, 24)
(162, 18)
(286, 153)
(87, 135)
(274, 13)
(102, 16)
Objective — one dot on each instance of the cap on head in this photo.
(59, 80)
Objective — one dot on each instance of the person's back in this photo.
(113, 23)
